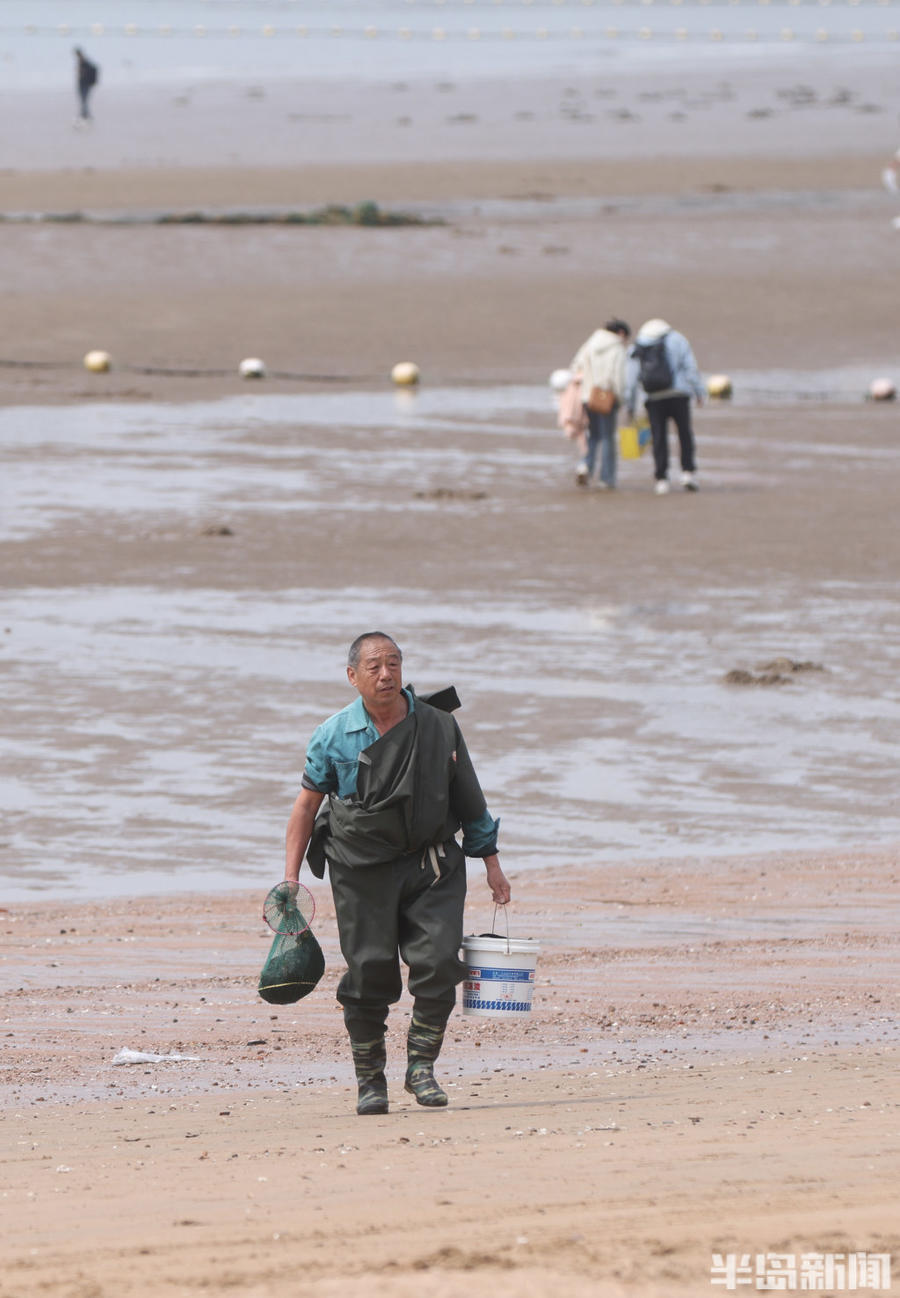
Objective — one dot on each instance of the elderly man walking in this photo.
(400, 785)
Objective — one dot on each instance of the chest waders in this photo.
(398, 878)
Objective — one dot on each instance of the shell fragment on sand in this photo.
(128, 1056)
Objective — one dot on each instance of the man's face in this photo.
(379, 673)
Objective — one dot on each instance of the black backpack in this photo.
(656, 372)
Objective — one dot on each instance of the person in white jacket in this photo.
(662, 363)
(600, 361)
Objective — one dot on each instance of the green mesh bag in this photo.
(295, 962)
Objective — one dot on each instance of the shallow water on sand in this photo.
(155, 728)
(160, 41)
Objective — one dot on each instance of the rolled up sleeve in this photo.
(480, 836)
(319, 774)
(478, 825)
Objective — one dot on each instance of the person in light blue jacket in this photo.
(662, 364)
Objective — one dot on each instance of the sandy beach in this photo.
(678, 1091)
(753, 254)
(739, 198)
(710, 1064)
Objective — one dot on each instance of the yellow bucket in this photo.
(633, 439)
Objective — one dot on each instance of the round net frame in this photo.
(289, 908)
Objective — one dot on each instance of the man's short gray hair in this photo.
(355, 651)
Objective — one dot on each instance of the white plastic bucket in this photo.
(499, 980)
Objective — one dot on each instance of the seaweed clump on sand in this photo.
(360, 214)
(779, 671)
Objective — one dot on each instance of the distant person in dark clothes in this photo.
(87, 76)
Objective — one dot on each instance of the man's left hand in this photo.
(497, 880)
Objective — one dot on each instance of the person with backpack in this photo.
(87, 74)
(662, 363)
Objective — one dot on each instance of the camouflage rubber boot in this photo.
(369, 1059)
(423, 1045)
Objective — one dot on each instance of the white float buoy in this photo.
(719, 386)
(882, 390)
(97, 362)
(252, 368)
(560, 380)
(405, 374)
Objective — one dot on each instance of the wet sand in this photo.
(739, 197)
(761, 264)
(172, 631)
(711, 1062)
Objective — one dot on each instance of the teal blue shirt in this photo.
(332, 761)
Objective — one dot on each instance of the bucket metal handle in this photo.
(494, 924)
